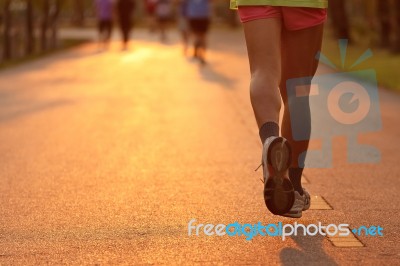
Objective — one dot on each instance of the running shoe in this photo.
(301, 203)
(278, 190)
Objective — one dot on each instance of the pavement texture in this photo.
(106, 157)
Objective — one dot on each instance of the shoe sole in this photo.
(278, 190)
(294, 215)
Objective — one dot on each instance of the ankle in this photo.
(267, 130)
(295, 174)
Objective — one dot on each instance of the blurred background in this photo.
(30, 28)
(106, 154)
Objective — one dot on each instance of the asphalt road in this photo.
(106, 157)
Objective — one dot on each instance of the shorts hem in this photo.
(234, 4)
(257, 18)
(306, 26)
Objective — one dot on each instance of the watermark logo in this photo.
(368, 231)
(249, 231)
(341, 104)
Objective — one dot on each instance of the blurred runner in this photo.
(125, 9)
(104, 12)
(183, 25)
(163, 13)
(198, 13)
(150, 6)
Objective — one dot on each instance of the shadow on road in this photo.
(29, 110)
(210, 74)
(310, 250)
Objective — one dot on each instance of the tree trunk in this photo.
(339, 18)
(79, 9)
(7, 53)
(44, 25)
(396, 45)
(384, 22)
(30, 39)
(55, 12)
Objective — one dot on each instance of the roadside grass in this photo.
(385, 63)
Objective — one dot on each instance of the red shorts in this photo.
(293, 18)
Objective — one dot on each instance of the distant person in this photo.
(125, 9)
(150, 6)
(198, 13)
(163, 13)
(183, 25)
(104, 12)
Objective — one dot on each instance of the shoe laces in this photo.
(262, 180)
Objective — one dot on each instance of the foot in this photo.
(301, 203)
(202, 61)
(278, 190)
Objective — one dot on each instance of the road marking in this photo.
(319, 203)
(350, 241)
(304, 180)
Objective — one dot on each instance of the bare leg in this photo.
(298, 60)
(263, 39)
(185, 40)
(107, 34)
(163, 28)
(152, 23)
(100, 35)
(202, 45)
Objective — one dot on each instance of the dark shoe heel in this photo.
(278, 195)
(278, 190)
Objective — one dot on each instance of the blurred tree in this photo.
(396, 46)
(79, 13)
(54, 15)
(7, 19)
(30, 39)
(339, 18)
(384, 22)
(49, 23)
(370, 13)
(44, 24)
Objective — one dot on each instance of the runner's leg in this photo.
(299, 49)
(263, 37)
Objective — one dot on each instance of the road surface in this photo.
(107, 156)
